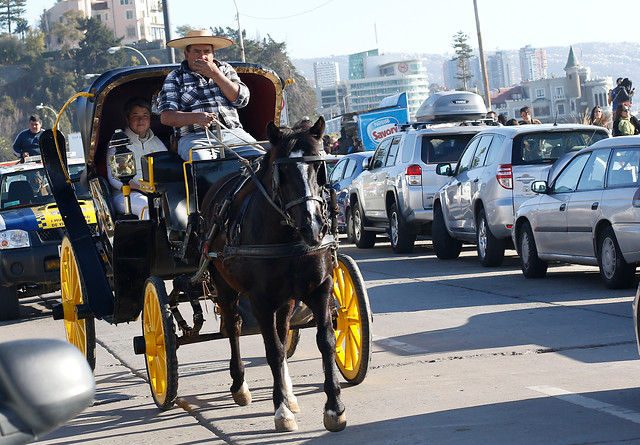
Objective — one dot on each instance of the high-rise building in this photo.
(326, 74)
(533, 63)
(356, 63)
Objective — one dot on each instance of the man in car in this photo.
(202, 91)
(27, 142)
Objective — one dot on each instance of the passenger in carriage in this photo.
(201, 91)
(143, 141)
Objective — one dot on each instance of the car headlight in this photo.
(14, 239)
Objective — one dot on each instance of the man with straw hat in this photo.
(201, 91)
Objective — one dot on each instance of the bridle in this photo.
(276, 193)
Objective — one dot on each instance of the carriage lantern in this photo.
(122, 164)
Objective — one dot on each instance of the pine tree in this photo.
(463, 54)
(11, 12)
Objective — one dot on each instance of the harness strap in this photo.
(274, 250)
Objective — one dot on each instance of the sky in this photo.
(323, 28)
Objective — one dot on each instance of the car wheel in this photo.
(402, 236)
(350, 229)
(445, 246)
(490, 248)
(615, 271)
(9, 305)
(362, 238)
(532, 266)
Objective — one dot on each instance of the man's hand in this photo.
(204, 119)
(205, 68)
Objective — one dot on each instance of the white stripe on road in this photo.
(404, 347)
(586, 402)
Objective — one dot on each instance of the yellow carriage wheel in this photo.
(79, 332)
(159, 334)
(352, 321)
(292, 341)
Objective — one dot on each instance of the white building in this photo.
(568, 98)
(326, 74)
(133, 20)
(385, 76)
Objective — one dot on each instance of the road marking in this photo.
(586, 402)
(404, 347)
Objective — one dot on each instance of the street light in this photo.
(344, 103)
(47, 107)
(113, 50)
(239, 32)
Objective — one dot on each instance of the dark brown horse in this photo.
(272, 247)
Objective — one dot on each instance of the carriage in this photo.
(118, 272)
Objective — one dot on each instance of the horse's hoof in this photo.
(293, 403)
(242, 397)
(285, 420)
(334, 422)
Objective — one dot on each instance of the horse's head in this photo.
(299, 174)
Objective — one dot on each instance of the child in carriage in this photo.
(143, 141)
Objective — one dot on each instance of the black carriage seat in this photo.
(168, 175)
(21, 192)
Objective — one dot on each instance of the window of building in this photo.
(541, 111)
(561, 109)
(573, 106)
(559, 92)
(540, 92)
(131, 31)
(99, 17)
(516, 96)
(129, 15)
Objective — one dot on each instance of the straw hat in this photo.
(200, 37)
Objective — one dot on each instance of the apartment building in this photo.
(131, 20)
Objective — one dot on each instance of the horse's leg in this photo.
(283, 317)
(274, 348)
(319, 302)
(227, 300)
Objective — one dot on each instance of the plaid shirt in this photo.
(186, 90)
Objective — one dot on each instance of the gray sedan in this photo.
(587, 213)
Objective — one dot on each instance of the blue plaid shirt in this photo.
(186, 90)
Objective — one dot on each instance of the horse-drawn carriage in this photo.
(218, 229)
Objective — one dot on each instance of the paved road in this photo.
(462, 354)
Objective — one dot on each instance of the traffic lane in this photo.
(457, 307)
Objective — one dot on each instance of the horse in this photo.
(270, 243)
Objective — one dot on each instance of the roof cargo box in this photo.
(452, 106)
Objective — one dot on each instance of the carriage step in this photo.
(139, 346)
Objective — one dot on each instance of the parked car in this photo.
(394, 194)
(589, 213)
(331, 161)
(341, 178)
(493, 178)
(31, 232)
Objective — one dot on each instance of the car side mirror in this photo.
(365, 163)
(43, 384)
(444, 169)
(539, 187)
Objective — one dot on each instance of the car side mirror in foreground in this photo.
(365, 163)
(43, 384)
(444, 169)
(539, 187)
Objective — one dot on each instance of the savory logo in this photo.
(383, 127)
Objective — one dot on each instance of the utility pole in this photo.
(239, 32)
(167, 30)
(483, 65)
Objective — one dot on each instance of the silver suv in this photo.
(394, 194)
(492, 179)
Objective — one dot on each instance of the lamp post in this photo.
(47, 107)
(113, 50)
(239, 32)
(344, 103)
(483, 64)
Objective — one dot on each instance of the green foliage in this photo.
(6, 153)
(10, 49)
(463, 54)
(301, 98)
(11, 12)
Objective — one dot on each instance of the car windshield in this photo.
(443, 148)
(546, 147)
(29, 187)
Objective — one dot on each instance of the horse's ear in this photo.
(318, 128)
(273, 133)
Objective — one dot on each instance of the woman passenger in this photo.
(624, 123)
(597, 117)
